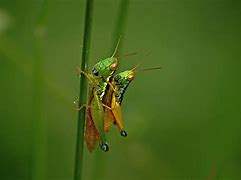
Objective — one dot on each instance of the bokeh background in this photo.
(183, 121)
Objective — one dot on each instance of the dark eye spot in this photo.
(95, 71)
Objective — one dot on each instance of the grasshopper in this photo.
(114, 96)
(98, 80)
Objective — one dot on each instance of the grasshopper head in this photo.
(125, 77)
(105, 68)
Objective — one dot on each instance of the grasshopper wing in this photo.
(91, 134)
(117, 113)
(108, 116)
(97, 114)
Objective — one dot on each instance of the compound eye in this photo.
(95, 72)
(131, 77)
(113, 66)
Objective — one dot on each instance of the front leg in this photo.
(88, 76)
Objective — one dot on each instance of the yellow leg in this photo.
(88, 76)
(83, 106)
(107, 107)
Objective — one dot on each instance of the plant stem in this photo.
(39, 125)
(120, 23)
(83, 90)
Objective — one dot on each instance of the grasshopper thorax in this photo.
(122, 81)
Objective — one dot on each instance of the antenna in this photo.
(137, 66)
(117, 45)
(129, 54)
(150, 69)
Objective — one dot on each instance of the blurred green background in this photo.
(183, 122)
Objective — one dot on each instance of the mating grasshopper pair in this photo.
(105, 97)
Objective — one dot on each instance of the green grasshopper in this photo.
(99, 79)
(94, 112)
(114, 96)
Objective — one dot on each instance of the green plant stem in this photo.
(83, 90)
(120, 24)
(38, 128)
(39, 125)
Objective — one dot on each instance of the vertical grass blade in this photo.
(39, 155)
(120, 23)
(83, 90)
